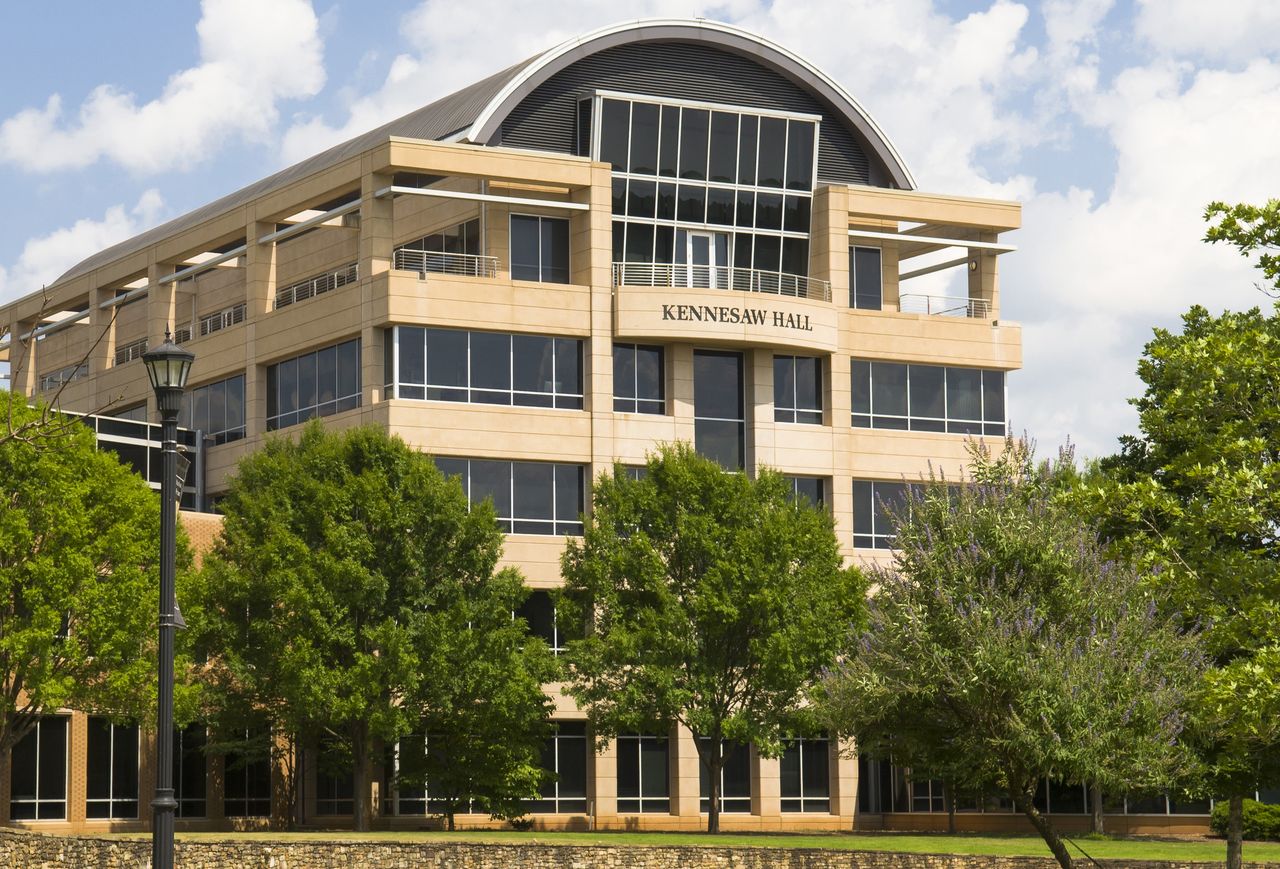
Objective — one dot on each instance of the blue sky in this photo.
(1114, 123)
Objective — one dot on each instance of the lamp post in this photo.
(168, 366)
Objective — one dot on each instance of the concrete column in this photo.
(761, 428)
(844, 779)
(377, 226)
(604, 783)
(984, 281)
(829, 241)
(686, 783)
(260, 270)
(766, 800)
(101, 323)
(78, 769)
(23, 358)
(162, 312)
(837, 416)
(680, 389)
(590, 249)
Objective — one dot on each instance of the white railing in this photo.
(944, 306)
(316, 286)
(719, 278)
(434, 262)
(129, 352)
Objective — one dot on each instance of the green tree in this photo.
(1197, 493)
(713, 600)
(1005, 649)
(321, 606)
(79, 555)
(1250, 229)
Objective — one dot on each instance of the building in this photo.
(659, 230)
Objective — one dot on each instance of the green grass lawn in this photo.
(935, 843)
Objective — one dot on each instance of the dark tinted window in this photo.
(638, 379)
(614, 121)
(719, 419)
(865, 278)
(693, 143)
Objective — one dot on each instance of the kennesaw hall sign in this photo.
(725, 317)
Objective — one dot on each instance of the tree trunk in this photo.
(360, 776)
(1097, 825)
(448, 820)
(714, 764)
(1025, 801)
(949, 803)
(1235, 832)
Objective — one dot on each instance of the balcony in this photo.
(944, 306)
(708, 277)
(435, 262)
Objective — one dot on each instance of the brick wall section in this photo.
(41, 851)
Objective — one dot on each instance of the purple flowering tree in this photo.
(1004, 648)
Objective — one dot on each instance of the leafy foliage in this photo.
(1261, 821)
(1005, 648)
(1250, 228)
(79, 556)
(713, 599)
(336, 604)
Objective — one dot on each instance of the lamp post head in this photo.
(168, 367)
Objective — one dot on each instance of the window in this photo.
(484, 367)
(111, 757)
(865, 278)
(315, 384)
(63, 375)
(217, 409)
(335, 788)
(898, 395)
(638, 379)
(809, 490)
(643, 778)
(136, 413)
(806, 775)
(189, 779)
(735, 777)
(539, 249)
(797, 389)
(719, 415)
(409, 775)
(247, 790)
(38, 772)
(564, 756)
(874, 502)
(529, 497)
(539, 613)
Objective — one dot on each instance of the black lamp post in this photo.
(168, 366)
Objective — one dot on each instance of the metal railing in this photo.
(316, 286)
(426, 262)
(719, 278)
(944, 306)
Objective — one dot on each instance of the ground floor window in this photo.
(248, 780)
(335, 783)
(38, 772)
(189, 771)
(806, 775)
(564, 757)
(643, 774)
(111, 760)
(735, 777)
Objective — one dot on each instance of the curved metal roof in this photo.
(475, 114)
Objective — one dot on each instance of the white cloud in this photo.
(252, 56)
(1225, 30)
(43, 259)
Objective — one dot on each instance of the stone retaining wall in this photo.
(42, 851)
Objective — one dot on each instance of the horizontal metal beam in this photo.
(47, 329)
(126, 297)
(928, 270)
(995, 247)
(204, 266)
(289, 231)
(482, 197)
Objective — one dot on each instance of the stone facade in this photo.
(41, 851)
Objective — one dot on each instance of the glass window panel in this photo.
(768, 252)
(693, 203)
(628, 768)
(927, 390)
(307, 381)
(993, 396)
(555, 250)
(720, 206)
(644, 138)
(663, 243)
(789, 770)
(769, 211)
(491, 479)
(446, 357)
(572, 766)
(863, 511)
(619, 198)
(327, 373)
(693, 144)
(784, 385)
(490, 361)
(348, 367)
(666, 201)
(724, 147)
(639, 243)
(653, 767)
(533, 363)
(800, 155)
(720, 441)
(816, 776)
(288, 374)
(889, 388)
(795, 258)
(796, 214)
(525, 248)
(669, 141)
(413, 363)
(742, 250)
(747, 150)
(964, 398)
(641, 198)
(773, 146)
(569, 492)
(568, 355)
(864, 265)
(746, 209)
(235, 403)
(810, 490)
(533, 482)
(717, 385)
(809, 384)
(615, 122)
(200, 417)
(453, 468)
(98, 759)
(624, 373)
(619, 233)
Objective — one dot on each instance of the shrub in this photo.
(1261, 821)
